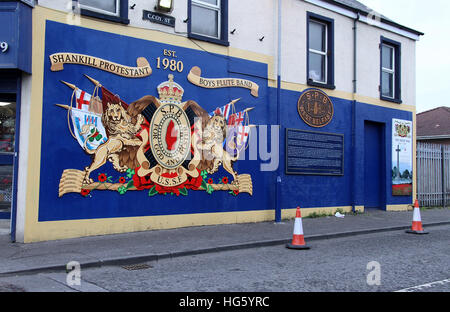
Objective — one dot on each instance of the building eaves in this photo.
(362, 9)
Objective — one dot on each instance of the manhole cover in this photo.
(135, 267)
(10, 288)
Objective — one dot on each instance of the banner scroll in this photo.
(143, 68)
(195, 78)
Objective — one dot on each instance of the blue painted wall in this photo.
(365, 112)
(317, 191)
(60, 151)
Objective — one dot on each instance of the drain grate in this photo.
(136, 267)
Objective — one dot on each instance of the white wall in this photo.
(180, 13)
(254, 19)
(369, 62)
(25, 104)
(295, 39)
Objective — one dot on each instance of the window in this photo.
(387, 71)
(112, 10)
(390, 70)
(317, 52)
(110, 7)
(320, 55)
(208, 20)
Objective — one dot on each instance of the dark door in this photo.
(7, 150)
(373, 168)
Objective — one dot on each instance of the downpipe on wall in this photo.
(355, 90)
(278, 181)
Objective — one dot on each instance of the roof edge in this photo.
(433, 109)
(433, 137)
(384, 20)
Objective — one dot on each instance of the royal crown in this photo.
(170, 91)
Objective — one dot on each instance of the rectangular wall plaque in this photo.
(159, 18)
(402, 157)
(314, 153)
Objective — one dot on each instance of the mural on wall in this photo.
(402, 172)
(159, 144)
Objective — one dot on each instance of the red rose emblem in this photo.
(142, 183)
(102, 177)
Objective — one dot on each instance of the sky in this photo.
(432, 51)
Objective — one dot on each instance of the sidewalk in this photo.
(133, 248)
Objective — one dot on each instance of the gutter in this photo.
(355, 91)
(434, 137)
(278, 179)
(355, 39)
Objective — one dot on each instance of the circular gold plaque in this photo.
(315, 108)
(170, 136)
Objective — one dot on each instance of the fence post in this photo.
(443, 175)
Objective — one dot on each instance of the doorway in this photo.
(374, 171)
(7, 155)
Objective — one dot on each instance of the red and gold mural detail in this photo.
(161, 145)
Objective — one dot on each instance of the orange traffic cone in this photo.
(417, 221)
(298, 240)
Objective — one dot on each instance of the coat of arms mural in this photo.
(162, 145)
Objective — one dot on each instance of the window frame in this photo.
(389, 71)
(329, 51)
(222, 22)
(120, 17)
(93, 9)
(216, 8)
(321, 53)
(395, 71)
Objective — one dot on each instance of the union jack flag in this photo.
(237, 119)
(224, 111)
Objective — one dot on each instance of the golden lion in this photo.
(121, 133)
(214, 134)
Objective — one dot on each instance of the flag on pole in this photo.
(242, 136)
(237, 119)
(238, 132)
(88, 128)
(237, 138)
(224, 111)
(83, 99)
(87, 124)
